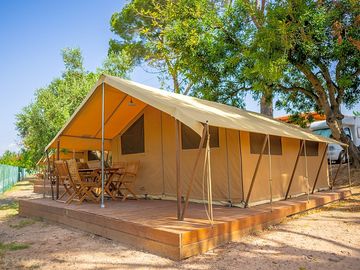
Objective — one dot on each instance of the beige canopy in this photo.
(83, 130)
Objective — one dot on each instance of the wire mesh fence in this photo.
(9, 175)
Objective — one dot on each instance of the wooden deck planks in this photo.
(152, 224)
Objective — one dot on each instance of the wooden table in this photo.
(109, 177)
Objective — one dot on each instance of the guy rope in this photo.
(306, 173)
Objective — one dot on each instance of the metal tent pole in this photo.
(102, 145)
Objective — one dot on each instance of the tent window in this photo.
(257, 140)
(132, 140)
(312, 149)
(93, 155)
(191, 140)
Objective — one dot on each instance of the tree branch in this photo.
(315, 82)
(187, 89)
(302, 90)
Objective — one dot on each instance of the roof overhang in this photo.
(83, 129)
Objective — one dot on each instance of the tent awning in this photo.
(83, 129)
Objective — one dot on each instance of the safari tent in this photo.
(163, 131)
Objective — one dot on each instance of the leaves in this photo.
(157, 33)
(39, 122)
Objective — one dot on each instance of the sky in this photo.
(33, 32)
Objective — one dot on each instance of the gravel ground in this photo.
(325, 238)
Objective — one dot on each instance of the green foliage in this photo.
(149, 31)
(53, 104)
(308, 54)
(10, 158)
(39, 122)
(303, 120)
(18, 159)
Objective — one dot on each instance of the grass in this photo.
(34, 266)
(23, 223)
(9, 209)
(9, 206)
(21, 185)
(13, 246)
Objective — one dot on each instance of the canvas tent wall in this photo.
(233, 162)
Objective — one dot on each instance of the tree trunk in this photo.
(266, 105)
(335, 125)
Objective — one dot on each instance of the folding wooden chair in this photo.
(119, 164)
(64, 178)
(94, 164)
(128, 178)
(115, 178)
(87, 189)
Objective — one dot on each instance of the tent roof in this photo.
(83, 129)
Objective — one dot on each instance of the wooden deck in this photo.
(151, 224)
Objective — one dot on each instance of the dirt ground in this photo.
(326, 238)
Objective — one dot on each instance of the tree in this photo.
(256, 11)
(20, 159)
(10, 158)
(40, 121)
(304, 51)
(308, 50)
(146, 31)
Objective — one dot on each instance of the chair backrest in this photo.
(61, 169)
(132, 167)
(119, 164)
(94, 164)
(73, 171)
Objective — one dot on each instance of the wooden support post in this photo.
(57, 177)
(50, 176)
(241, 168)
(320, 166)
(348, 166)
(192, 177)
(227, 170)
(53, 176)
(47, 174)
(255, 172)
(178, 180)
(337, 171)
(162, 154)
(294, 170)
(270, 171)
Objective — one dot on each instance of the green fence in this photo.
(9, 175)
